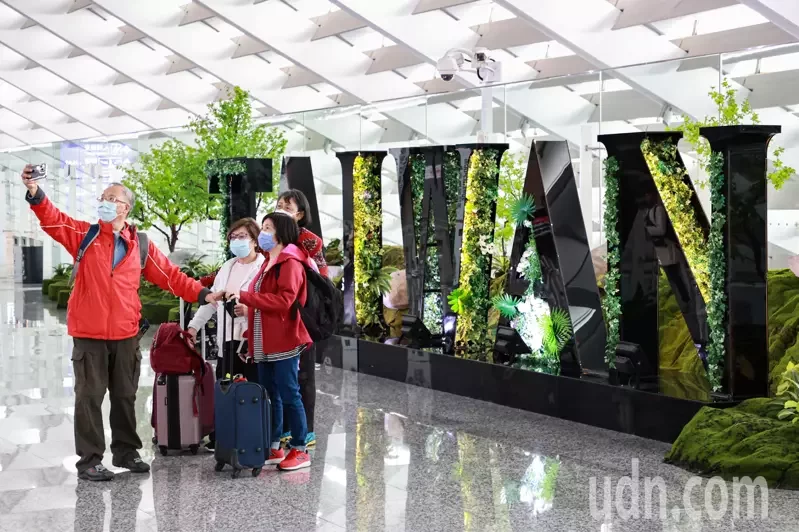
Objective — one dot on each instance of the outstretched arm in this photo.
(160, 271)
(60, 226)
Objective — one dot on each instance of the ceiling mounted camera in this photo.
(487, 69)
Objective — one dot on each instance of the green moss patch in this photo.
(63, 298)
(55, 288)
(47, 282)
(157, 312)
(174, 315)
(746, 440)
(677, 352)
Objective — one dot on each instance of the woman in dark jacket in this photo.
(277, 334)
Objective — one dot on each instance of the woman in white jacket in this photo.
(234, 276)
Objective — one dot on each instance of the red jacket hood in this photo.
(292, 252)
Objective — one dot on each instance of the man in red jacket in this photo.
(103, 317)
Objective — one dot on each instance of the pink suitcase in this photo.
(178, 422)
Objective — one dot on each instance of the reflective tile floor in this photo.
(391, 457)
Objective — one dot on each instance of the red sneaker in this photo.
(276, 456)
(295, 460)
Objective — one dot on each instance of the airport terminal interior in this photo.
(560, 238)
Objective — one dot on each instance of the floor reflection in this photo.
(390, 457)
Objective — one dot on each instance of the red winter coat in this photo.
(105, 304)
(278, 293)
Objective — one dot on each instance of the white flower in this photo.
(528, 223)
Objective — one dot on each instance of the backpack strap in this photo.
(91, 236)
(144, 248)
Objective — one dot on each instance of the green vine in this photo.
(730, 113)
(452, 187)
(671, 179)
(717, 307)
(371, 278)
(611, 305)
(224, 170)
(417, 195)
(471, 340)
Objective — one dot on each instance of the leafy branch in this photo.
(730, 113)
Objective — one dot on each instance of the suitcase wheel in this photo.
(219, 466)
(163, 449)
(236, 473)
(194, 449)
(256, 471)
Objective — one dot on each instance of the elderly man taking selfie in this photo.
(103, 317)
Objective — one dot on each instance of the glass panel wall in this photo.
(575, 108)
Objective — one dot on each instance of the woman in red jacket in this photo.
(294, 203)
(277, 334)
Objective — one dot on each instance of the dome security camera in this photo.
(448, 66)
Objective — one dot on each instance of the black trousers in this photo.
(230, 362)
(100, 366)
(307, 381)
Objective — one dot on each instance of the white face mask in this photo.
(287, 213)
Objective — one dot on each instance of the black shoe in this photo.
(97, 473)
(134, 465)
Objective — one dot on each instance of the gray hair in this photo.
(129, 195)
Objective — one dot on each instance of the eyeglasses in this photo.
(112, 199)
(239, 236)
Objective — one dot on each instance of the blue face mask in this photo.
(107, 211)
(266, 241)
(240, 248)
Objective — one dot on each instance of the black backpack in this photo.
(324, 305)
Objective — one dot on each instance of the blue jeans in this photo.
(280, 380)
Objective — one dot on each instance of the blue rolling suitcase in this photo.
(243, 420)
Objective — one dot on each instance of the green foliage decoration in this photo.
(506, 305)
(228, 131)
(224, 170)
(671, 179)
(371, 278)
(452, 187)
(417, 195)
(611, 304)
(471, 339)
(730, 113)
(170, 181)
(788, 394)
(556, 327)
(63, 270)
(334, 256)
(511, 183)
(717, 306)
(458, 300)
